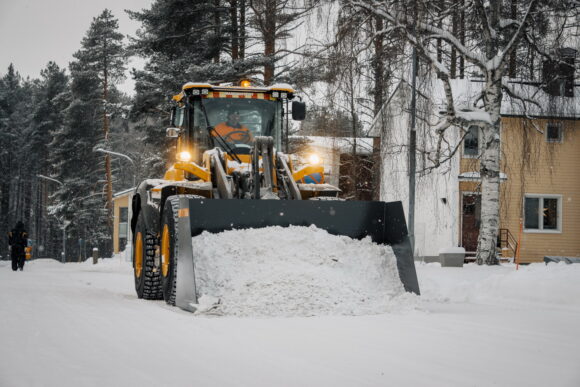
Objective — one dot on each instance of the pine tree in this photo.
(15, 98)
(274, 20)
(82, 200)
(205, 41)
(103, 54)
(50, 100)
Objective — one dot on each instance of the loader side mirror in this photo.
(298, 110)
(172, 132)
(172, 116)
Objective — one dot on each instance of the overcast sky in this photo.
(34, 32)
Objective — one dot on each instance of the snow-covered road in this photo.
(82, 325)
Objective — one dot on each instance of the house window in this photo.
(123, 227)
(558, 73)
(471, 142)
(542, 213)
(554, 132)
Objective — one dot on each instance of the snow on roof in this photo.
(474, 176)
(124, 192)
(281, 86)
(536, 102)
(189, 85)
(364, 145)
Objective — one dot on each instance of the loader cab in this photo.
(238, 121)
(203, 110)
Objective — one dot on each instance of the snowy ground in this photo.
(82, 325)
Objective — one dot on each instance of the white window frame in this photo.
(541, 230)
(560, 127)
(466, 156)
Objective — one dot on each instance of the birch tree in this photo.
(494, 33)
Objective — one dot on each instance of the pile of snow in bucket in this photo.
(295, 271)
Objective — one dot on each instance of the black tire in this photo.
(169, 241)
(147, 281)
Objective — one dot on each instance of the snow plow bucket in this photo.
(383, 222)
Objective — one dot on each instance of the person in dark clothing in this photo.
(18, 239)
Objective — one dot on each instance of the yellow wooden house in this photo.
(121, 218)
(540, 171)
(540, 189)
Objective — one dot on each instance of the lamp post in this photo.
(119, 155)
(134, 170)
(63, 222)
(50, 178)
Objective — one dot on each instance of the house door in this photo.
(470, 220)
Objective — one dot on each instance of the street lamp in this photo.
(119, 155)
(64, 223)
(50, 178)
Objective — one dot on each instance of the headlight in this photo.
(184, 156)
(314, 159)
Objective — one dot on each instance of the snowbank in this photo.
(79, 324)
(537, 283)
(295, 271)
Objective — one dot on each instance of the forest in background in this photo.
(345, 57)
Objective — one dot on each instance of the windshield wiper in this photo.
(229, 150)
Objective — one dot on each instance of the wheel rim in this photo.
(138, 255)
(165, 257)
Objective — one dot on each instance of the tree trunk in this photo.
(379, 68)
(512, 65)
(108, 175)
(462, 39)
(379, 75)
(242, 29)
(235, 31)
(453, 67)
(489, 172)
(218, 32)
(269, 41)
(4, 208)
(353, 117)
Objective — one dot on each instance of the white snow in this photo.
(282, 86)
(79, 324)
(474, 116)
(243, 167)
(452, 250)
(475, 176)
(295, 271)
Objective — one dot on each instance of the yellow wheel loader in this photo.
(230, 172)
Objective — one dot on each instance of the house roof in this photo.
(522, 99)
(533, 101)
(125, 192)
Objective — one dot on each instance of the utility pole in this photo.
(412, 151)
(413, 137)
